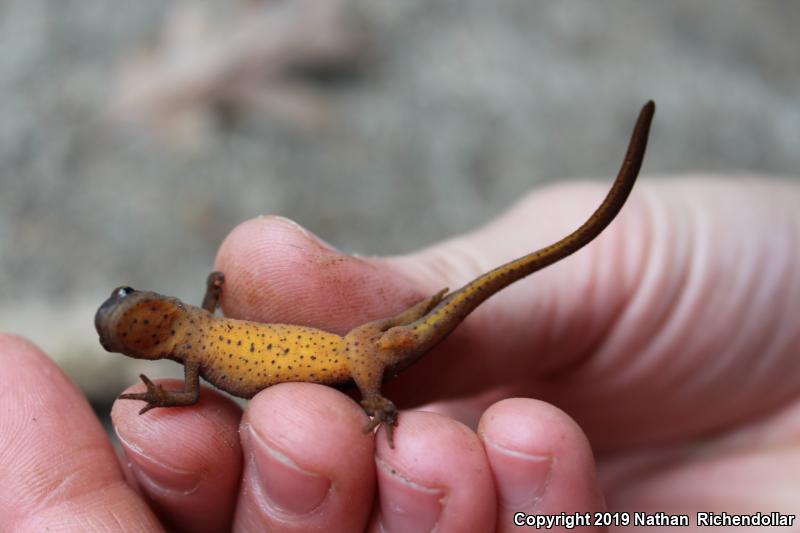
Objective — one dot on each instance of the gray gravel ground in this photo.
(461, 106)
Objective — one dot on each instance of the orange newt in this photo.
(244, 357)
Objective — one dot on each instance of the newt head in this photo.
(138, 323)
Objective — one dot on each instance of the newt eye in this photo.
(122, 292)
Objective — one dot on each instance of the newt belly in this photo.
(243, 357)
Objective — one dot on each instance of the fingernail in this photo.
(288, 487)
(156, 475)
(521, 478)
(404, 504)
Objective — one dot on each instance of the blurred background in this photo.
(136, 135)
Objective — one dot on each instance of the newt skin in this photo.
(243, 357)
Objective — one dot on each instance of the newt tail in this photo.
(432, 328)
(243, 357)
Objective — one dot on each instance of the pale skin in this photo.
(670, 341)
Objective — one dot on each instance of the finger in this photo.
(58, 470)
(186, 461)
(436, 478)
(275, 271)
(308, 464)
(541, 462)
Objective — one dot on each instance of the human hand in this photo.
(670, 340)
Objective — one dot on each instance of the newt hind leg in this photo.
(382, 411)
(415, 312)
(368, 356)
(367, 368)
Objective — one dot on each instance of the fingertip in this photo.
(540, 457)
(436, 477)
(307, 460)
(277, 271)
(247, 245)
(268, 261)
(314, 420)
(12, 345)
(535, 424)
(186, 459)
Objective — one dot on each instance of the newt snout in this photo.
(137, 323)
(102, 318)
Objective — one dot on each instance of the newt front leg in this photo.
(156, 396)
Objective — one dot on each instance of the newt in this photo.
(243, 357)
